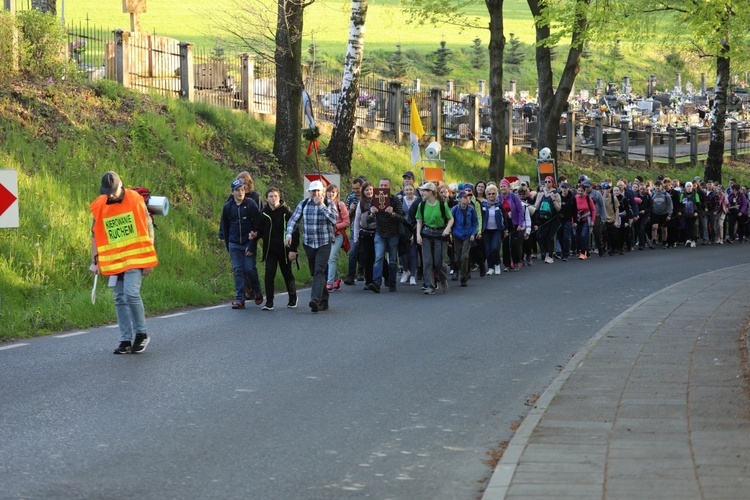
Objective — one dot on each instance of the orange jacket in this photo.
(121, 234)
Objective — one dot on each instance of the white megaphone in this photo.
(433, 150)
(545, 154)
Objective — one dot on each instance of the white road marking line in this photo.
(12, 346)
(171, 315)
(72, 334)
(212, 307)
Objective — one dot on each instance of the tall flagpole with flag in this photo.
(416, 131)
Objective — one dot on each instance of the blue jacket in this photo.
(499, 216)
(465, 223)
(238, 221)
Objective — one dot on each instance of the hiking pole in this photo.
(93, 289)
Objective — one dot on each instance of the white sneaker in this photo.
(405, 276)
(412, 281)
(687, 243)
(549, 260)
(497, 269)
(490, 272)
(692, 244)
(451, 273)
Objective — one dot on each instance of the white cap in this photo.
(316, 186)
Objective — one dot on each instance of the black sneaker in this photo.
(314, 305)
(349, 280)
(324, 305)
(123, 348)
(292, 301)
(392, 287)
(374, 287)
(141, 341)
(267, 307)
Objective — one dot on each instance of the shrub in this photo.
(42, 45)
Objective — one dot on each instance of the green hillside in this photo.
(61, 138)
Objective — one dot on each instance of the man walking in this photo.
(122, 247)
(319, 219)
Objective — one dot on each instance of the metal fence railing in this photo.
(89, 47)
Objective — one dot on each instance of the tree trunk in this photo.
(716, 145)
(288, 58)
(497, 102)
(45, 6)
(341, 146)
(551, 103)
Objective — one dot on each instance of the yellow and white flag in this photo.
(415, 127)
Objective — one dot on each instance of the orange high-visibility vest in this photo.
(121, 234)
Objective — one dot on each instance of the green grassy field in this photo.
(327, 22)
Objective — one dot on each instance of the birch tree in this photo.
(341, 146)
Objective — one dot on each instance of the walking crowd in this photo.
(436, 233)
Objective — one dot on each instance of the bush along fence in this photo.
(152, 63)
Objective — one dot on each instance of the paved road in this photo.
(396, 395)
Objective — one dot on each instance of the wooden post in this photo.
(694, 145)
(187, 77)
(122, 66)
(395, 110)
(598, 138)
(625, 138)
(247, 86)
(436, 100)
(474, 118)
(672, 147)
(570, 134)
(509, 126)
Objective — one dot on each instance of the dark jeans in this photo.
(512, 247)
(491, 239)
(582, 235)
(243, 265)
(564, 235)
(317, 259)
(546, 235)
(354, 258)
(367, 253)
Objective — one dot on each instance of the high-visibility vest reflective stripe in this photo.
(121, 234)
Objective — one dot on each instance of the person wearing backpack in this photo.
(434, 224)
(465, 230)
(690, 205)
(661, 214)
(547, 207)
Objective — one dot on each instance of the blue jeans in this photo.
(409, 259)
(128, 304)
(333, 258)
(565, 234)
(492, 239)
(317, 260)
(582, 234)
(381, 245)
(241, 265)
(353, 257)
